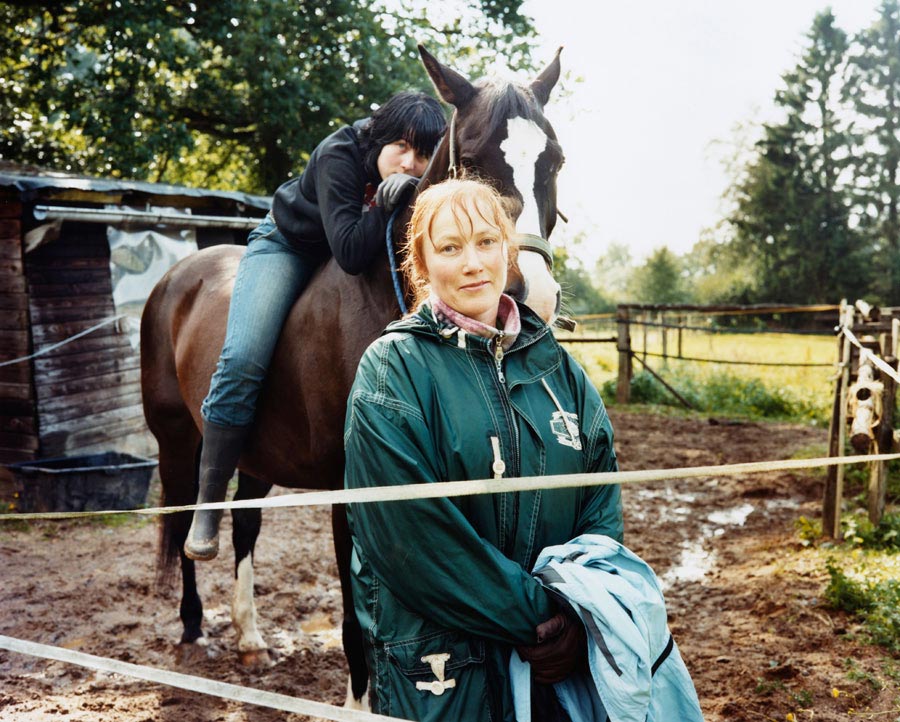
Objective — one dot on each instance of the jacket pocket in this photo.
(436, 677)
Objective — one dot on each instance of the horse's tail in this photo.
(172, 531)
(168, 416)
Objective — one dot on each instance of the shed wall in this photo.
(18, 410)
(87, 390)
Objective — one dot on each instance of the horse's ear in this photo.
(450, 85)
(543, 83)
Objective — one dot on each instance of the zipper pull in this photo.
(498, 356)
(499, 466)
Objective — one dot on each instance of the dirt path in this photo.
(747, 615)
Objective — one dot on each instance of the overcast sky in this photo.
(662, 83)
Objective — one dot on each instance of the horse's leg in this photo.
(177, 470)
(252, 648)
(351, 632)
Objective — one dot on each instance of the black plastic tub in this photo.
(109, 480)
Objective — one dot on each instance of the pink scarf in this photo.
(507, 318)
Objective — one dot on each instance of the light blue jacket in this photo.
(636, 671)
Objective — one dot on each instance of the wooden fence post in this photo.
(644, 335)
(623, 344)
(834, 481)
(680, 323)
(665, 339)
(885, 435)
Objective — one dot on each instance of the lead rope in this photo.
(392, 258)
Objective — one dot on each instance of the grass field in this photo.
(806, 390)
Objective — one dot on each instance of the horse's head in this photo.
(499, 134)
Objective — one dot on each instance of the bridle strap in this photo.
(531, 242)
(453, 170)
(525, 241)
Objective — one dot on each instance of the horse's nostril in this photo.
(558, 301)
(518, 288)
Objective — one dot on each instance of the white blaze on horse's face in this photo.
(525, 141)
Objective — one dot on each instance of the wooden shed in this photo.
(69, 375)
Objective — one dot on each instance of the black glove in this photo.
(561, 646)
(393, 189)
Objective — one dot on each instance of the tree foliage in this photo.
(792, 207)
(659, 279)
(232, 94)
(874, 88)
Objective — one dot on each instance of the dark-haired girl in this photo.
(338, 206)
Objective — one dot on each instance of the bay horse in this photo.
(499, 133)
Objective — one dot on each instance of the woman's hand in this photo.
(393, 189)
(561, 646)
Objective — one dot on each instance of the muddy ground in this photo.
(747, 612)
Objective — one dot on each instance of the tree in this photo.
(580, 295)
(659, 280)
(792, 209)
(874, 88)
(234, 94)
(612, 271)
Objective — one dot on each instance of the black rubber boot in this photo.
(222, 447)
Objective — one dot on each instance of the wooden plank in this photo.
(13, 456)
(70, 274)
(47, 333)
(69, 437)
(13, 344)
(10, 249)
(88, 315)
(75, 386)
(49, 267)
(117, 344)
(10, 228)
(17, 424)
(76, 363)
(97, 300)
(12, 283)
(88, 409)
(106, 366)
(13, 320)
(88, 402)
(23, 442)
(12, 267)
(101, 420)
(17, 407)
(68, 248)
(15, 375)
(10, 301)
(10, 209)
(98, 286)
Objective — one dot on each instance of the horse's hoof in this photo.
(192, 653)
(201, 551)
(257, 658)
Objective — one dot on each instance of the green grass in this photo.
(863, 591)
(802, 394)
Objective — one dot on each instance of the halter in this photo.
(525, 241)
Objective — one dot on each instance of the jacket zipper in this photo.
(514, 431)
(498, 356)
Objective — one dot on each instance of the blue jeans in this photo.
(270, 277)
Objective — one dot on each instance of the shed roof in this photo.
(33, 184)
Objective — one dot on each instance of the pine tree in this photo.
(874, 89)
(792, 212)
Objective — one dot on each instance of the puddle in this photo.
(696, 561)
(693, 566)
(732, 517)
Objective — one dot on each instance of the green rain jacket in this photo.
(442, 587)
